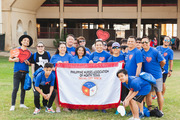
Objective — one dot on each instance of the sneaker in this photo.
(66, 110)
(131, 118)
(129, 114)
(36, 111)
(136, 119)
(154, 97)
(23, 106)
(12, 108)
(116, 112)
(49, 110)
(161, 113)
(104, 111)
(58, 109)
(141, 115)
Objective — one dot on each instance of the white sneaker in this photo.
(136, 119)
(12, 108)
(58, 109)
(23, 106)
(36, 111)
(131, 118)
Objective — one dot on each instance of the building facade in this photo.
(43, 19)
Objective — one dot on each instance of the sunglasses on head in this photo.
(145, 42)
(81, 41)
(98, 39)
(40, 46)
(62, 42)
(115, 47)
(167, 40)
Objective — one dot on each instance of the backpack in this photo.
(27, 82)
(155, 111)
(148, 77)
(36, 73)
(49, 56)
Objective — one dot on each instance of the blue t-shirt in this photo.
(67, 58)
(71, 50)
(132, 58)
(41, 80)
(151, 62)
(167, 53)
(84, 59)
(116, 59)
(137, 84)
(21, 66)
(96, 57)
(88, 52)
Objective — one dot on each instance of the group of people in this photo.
(136, 53)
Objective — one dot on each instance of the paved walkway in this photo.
(53, 50)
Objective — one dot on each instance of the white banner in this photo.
(88, 86)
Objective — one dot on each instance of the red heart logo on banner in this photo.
(130, 56)
(148, 59)
(14, 53)
(104, 35)
(165, 54)
(24, 55)
(101, 58)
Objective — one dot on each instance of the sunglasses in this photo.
(115, 47)
(167, 40)
(98, 39)
(145, 42)
(40, 46)
(62, 42)
(81, 41)
(138, 42)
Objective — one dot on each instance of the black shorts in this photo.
(139, 98)
(164, 77)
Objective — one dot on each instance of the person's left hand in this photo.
(27, 62)
(125, 103)
(48, 96)
(169, 74)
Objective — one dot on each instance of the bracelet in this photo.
(170, 70)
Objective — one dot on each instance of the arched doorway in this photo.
(19, 32)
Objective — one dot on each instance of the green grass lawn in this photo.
(171, 103)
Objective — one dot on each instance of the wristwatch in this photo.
(171, 70)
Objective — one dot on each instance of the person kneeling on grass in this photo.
(138, 89)
(45, 81)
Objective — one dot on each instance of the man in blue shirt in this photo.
(45, 81)
(133, 62)
(69, 42)
(168, 55)
(138, 89)
(153, 61)
(20, 70)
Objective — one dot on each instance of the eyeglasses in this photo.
(105, 44)
(167, 40)
(115, 47)
(145, 42)
(81, 41)
(138, 42)
(40, 46)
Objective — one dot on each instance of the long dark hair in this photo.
(78, 49)
(57, 51)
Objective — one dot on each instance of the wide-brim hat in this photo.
(26, 36)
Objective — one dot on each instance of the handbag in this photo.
(27, 82)
(155, 111)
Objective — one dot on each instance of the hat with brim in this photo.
(26, 36)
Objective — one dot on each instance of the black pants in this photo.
(124, 92)
(19, 77)
(46, 90)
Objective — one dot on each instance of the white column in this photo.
(178, 20)
(139, 18)
(61, 16)
(0, 17)
(100, 8)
